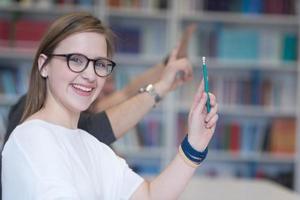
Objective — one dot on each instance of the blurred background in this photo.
(252, 58)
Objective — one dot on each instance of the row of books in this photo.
(147, 133)
(239, 43)
(48, 3)
(154, 4)
(248, 136)
(247, 88)
(150, 131)
(242, 6)
(22, 33)
(136, 37)
(258, 90)
(133, 37)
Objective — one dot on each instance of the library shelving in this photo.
(252, 50)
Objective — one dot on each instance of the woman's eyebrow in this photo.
(100, 57)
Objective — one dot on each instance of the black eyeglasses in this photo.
(78, 63)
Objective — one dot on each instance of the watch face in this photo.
(150, 88)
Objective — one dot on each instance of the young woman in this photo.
(48, 157)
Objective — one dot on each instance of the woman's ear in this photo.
(42, 65)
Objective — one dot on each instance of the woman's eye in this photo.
(76, 59)
(99, 64)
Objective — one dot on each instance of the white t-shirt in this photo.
(46, 161)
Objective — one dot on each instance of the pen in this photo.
(206, 86)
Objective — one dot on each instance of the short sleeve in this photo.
(33, 167)
(97, 125)
(131, 181)
(124, 181)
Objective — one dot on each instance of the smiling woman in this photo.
(63, 36)
(71, 81)
(48, 157)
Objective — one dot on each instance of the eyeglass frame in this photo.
(68, 56)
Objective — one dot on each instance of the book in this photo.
(289, 47)
(238, 44)
(252, 6)
(130, 39)
(270, 46)
(283, 136)
(27, 33)
(4, 30)
(235, 134)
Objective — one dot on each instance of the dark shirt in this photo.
(97, 124)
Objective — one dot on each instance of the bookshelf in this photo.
(252, 70)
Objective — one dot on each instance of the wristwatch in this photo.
(151, 90)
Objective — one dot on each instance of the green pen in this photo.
(206, 86)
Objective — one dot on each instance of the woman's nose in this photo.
(89, 72)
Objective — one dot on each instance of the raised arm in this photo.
(161, 76)
(136, 107)
(173, 180)
(117, 97)
(152, 75)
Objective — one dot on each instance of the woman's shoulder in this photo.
(30, 126)
(30, 136)
(87, 137)
(31, 129)
(93, 142)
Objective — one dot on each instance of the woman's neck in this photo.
(59, 117)
(57, 114)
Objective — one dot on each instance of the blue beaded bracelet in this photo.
(191, 153)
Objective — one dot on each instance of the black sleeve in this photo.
(14, 116)
(97, 125)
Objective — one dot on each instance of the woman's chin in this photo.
(79, 107)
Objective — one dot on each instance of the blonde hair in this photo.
(60, 29)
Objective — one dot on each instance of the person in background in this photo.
(48, 157)
(103, 118)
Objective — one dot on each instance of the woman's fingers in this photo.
(212, 99)
(212, 122)
(201, 104)
(173, 55)
(213, 111)
(198, 94)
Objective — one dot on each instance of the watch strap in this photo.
(150, 89)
